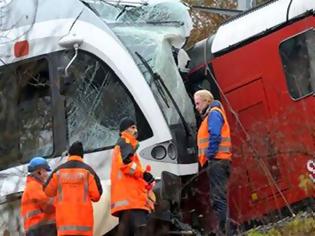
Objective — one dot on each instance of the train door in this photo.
(256, 163)
(27, 106)
(28, 110)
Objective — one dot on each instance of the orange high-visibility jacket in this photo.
(128, 189)
(224, 151)
(36, 208)
(75, 185)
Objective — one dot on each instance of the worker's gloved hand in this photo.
(148, 177)
(150, 186)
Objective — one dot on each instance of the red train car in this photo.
(261, 65)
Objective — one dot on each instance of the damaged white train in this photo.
(70, 70)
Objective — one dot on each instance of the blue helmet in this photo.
(38, 162)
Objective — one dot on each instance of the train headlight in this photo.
(158, 152)
(171, 149)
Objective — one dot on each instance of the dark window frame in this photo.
(312, 91)
(13, 67)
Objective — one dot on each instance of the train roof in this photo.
(40, 11)
(258, 21)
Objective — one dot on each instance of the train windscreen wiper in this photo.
(161, 87)
(155, 78)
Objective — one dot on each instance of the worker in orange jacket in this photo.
(37, 210)
(214, 150)
(75, 185)
(130, 183)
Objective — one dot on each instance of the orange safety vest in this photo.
(75, 185)
(128, 188)
(224, 150)
(36, 208)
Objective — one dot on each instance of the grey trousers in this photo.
(219, 173)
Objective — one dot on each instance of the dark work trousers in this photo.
(218, 173)
(47, 230)
(129, 222)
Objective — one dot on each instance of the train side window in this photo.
(298, 58)
(96, 100)
(25, 112)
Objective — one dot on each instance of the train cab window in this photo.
(25, 112)
(298, 58)
(96, 100)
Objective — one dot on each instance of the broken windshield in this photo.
(152, 31)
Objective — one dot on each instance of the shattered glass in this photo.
(95, 103)
(153, 31)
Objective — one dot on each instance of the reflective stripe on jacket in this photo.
(75, 185)
(224, 148)
(36, 208)
(128, 189)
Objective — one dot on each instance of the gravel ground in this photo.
(303, 224)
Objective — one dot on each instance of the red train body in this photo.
(264, 73)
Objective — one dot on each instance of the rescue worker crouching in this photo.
(214, 149)
(130, 183)
(75, 185)
(37, 210)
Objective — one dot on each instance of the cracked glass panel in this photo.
(96, 101)
(153, 31)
